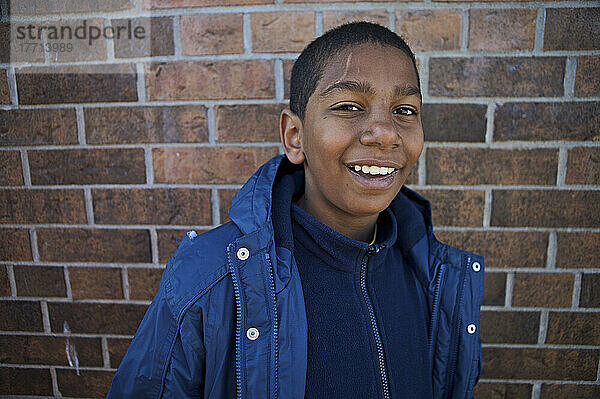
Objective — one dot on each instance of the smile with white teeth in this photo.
(373, 170)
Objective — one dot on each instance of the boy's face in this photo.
(365, 111)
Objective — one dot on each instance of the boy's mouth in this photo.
(373, 176)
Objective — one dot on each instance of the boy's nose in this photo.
(381, 133)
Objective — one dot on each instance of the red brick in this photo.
(545, 208)
(4, 90)
(509, 327)
(168, 241)
(456, 207)
(96, 283)
(40, 281)
(152, 206)
(587, 83)
(553, 290)
(116, 350)
(96, 318)
(16, 50)
(102, 166)
(132, 125)
(502, 391)
(334, 18)
(248, 123)
(157, 40)
(213, 165)
(497, 76)
(212, 34)
(20, 316)
(210, 80)
(287, 75)
(590, 291)
(15, 245)
(77, 84)
(569, 391)
(336, 1)
(573, 328)
(495, 289)
(225, 197)
(69, 6)
(50, 350)
(501, 248)
(572, 29)
(23, 127)
(578, 250)
(4, 283)
(499, 30)
(430, 30)
(548, 364)
(101, 245)
(199, 3)
(82, 50)
(547, 121)
(472, 166)
(583, 166)
(143, 283)
(11, 173)
(24, 381)
(88, 383)
(42, 206)
(286, 32)
(454, 122)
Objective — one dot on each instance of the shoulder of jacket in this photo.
(454, 256)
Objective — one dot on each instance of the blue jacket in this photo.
(228, 320)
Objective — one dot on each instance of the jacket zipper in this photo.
(363, 285)
(238, 325)
(275, 327)
(435, 306)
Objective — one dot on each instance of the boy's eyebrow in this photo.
(364, 87)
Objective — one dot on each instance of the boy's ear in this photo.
(290, 130)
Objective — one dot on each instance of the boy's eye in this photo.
(406, 111)
(346, 107)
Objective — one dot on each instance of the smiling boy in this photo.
(328, 281)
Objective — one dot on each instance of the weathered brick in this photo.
(248, 123)
(86, 383)
(334, 1)
(50, 350)
(578, 250)
(23, 127)
(21, 49)
(210, 80)
(548, 364)
(199, 3)
(573, 328)
(25, 381)
(81, 49)
(143, 283)
(132, 125)
(569, 391)
(474, 166)
(97, 318)
(77, 84)
(545, 208)
(4, 90)
(334, 18)
(156, 39)
(590, 291)
(587, 83)
(42, 206)
(502, 391)
(547, 121)
(454, 122)
(100, 245)
(20, 316)
(4, 283)
(583, 166)
(501, 29)
(456, 207)
(430, 30)
(227, 165)
(69, 6)
(509, 327)
(94, 166)
(212, 34)
(40, 281)
(572, 29)
(286, 32)
(168, 241)
(11, 173)
(15, 245)
(225, 197)
(495, 289)
(287, 75)
(96, 283)
(501, 248)
(496, 76)
(152, 206)
(116, 350)
(543, 289)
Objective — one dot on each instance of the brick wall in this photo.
(102, 173)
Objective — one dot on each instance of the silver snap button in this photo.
(471, 328)
(192, 234)
(476, 266)
(252, 333)
(243, 253)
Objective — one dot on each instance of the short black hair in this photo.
(308, 68)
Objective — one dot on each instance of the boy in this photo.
(328, 281)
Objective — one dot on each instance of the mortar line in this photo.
(148, 166)
(68, 283)
(279, 80)
(12, 85)
(25, 167)
(177, 40)
(551, 251)
(540, 23)
(212, 125)
(125, 283)
(215, 207)
(154, 245)
(89, 205)
(487, 208)
(45, 317)
(318, 23)
(34, 244)
(576, 291)
(11, 280)
(569, 79)
(80, 125)
(510, 283)
(54, 379)
(543, 331)
(140, 82)
(110, 43)
(422, 167)
(464, 33)
(535, 390)
(489, 122)
(105, 353)
(247, 32)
